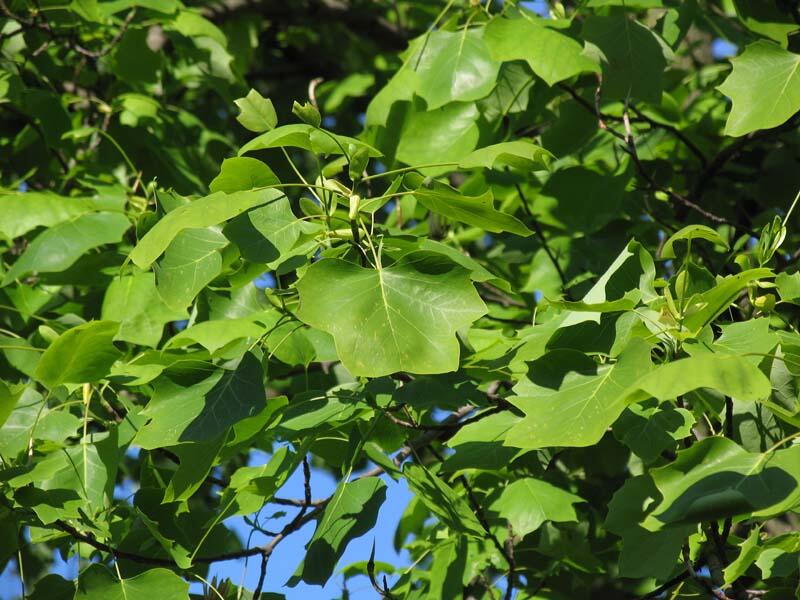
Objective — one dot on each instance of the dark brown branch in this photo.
(383, 591)
(115, 552)
(291, 527)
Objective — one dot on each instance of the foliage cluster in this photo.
(541, 269)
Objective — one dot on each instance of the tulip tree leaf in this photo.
(83, 354)
(370, 312)
(631, 55)
(257, 113)
(21, 213)
(205, 212)
(57, 248)
(205, 410)
(472, 210)
(454, 66)
(692, 232)
(716, 478)
(764, 87)
(98, 583)
(446, 134)
(134, 301)
(443, 501)
(569, 388)
(242, 173)
(191, 261)
(521, 154)
(302, 135)
(522, 39)
(527, 503)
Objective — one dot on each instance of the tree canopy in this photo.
(535, 261)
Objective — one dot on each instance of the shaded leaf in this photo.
(352, 512)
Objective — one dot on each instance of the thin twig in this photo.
(543, 240)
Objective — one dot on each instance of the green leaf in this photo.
(789, 287)
(213, 335)
(577, 199)
(632, 270)
(311, 410)
(626, 303)
(201, 213)
(692, 232)
(632, 56)
(748, 553)
(83, 354)
(478, 211)
(388, 319)
(242, 173)
(307, 113)
(768, 19)
(17, 430)
(205, 410)
(256, 112)
(629, 506)
(648, 429)
(479, 445)
(251, 487)
(453, 66)
(447, 569)
(57, 248)
(21, 213)
(520, 154)
(764, 87)
(302, 135)
(267, 233)
(399, 88)
(716, 478)
(133, 301)
(527, 503)
(730, 375)
(337, 95)
(553, 56)
(351, 512)
(78, 479)
(749, 339)
(8, 400)
(443, 501)
(570, 400)
(192, 260)
(709, 305)
(98, 583)
(195, 462)
(774, 554)
(446, 134)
